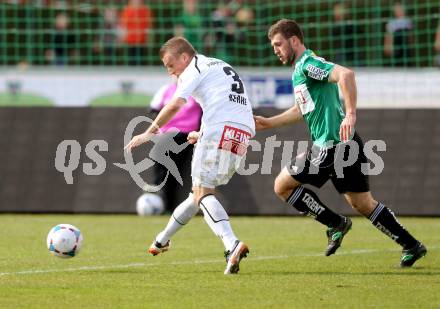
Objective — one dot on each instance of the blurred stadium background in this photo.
(235, 30)
(71, 70)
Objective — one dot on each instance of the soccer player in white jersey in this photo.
(227, 126)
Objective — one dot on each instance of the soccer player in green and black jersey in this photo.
(315, 83)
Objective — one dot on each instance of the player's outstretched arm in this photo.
(290, 116)
(347, 83)
(165, 115)
(138, 140)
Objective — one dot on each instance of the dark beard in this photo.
(292, 59)
(293, 56)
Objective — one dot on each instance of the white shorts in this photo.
(218, 154)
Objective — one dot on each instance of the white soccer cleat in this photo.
(234, 257)
(156, 247)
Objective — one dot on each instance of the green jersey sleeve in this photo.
(317, 68)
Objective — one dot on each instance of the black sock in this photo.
(308, 203)
(384, 220)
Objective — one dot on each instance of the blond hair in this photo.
(177, 46)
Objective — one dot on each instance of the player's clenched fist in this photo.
(261, 123)
(193, 136)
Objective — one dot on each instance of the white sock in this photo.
(218, 220)
(181, 216)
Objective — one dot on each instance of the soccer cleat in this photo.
(234, 256)
(410, 256)
(336, 234)
(157, 248)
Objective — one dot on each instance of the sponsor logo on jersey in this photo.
(304, 99)
(315, 72)
(234, 140)
(210, 64)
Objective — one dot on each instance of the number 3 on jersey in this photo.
(236, 87)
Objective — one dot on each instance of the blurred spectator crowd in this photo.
(128, 31)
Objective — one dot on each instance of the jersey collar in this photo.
(303, 55)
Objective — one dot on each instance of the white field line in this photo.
(192, 262)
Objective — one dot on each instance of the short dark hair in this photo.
(177, 46)
(288, 28)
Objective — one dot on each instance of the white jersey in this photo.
(218, 89)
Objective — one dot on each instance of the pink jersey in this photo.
(188, 117)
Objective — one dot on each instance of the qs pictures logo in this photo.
(68, 153)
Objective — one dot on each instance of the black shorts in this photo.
(318, 165)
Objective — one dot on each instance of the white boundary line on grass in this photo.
(133, 265)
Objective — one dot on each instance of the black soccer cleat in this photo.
(410, 256)
(234, 256)
(336, 234)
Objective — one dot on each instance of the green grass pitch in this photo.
(24, 100)
(122, 100)
(286, 267)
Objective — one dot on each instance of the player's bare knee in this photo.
(284, 184)
(196, 195)
(281, 188)
(195, 199)
(200, 192)
(277, 186)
